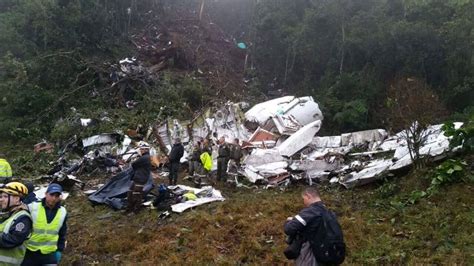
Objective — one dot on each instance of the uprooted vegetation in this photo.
(131, 65)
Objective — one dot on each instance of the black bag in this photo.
(294, 247)
(328, 242)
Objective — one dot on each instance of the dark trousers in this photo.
(35, 258)
(194, 167)
(222, 168)
(135, 197)
(174, 168)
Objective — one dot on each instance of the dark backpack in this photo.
(327, 243)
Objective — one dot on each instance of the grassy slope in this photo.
(247, 228)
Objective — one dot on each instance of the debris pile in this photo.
(290, 150)
(280, 144)
(187, 42)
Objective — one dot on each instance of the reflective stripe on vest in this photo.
(12, 256)
(5, 168)
(45, 235)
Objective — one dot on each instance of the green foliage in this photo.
(346, 53)
(450, 171)
(30, 165)
(388, 189)
(415, 196)
(463, 136)
(52, 57)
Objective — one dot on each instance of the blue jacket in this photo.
(31, 197)
(18, 233)
(306, 222)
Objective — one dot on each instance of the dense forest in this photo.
(352, 56)
(150, 70)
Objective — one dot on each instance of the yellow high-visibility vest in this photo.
(12, 256)
(206, 161)
(45, 235)
(5, 168)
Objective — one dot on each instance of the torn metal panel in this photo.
(367, 153)
(262, 112)
(300, 139)
(225, 121)
(304, 110)
(177, 129)
(204, 195)
(401, 163)
(327, 142)
(323, 152)
(363, 137)
(317, 174)
(85, 122)
(43, 147)
(271, 169)
(263, 144)
(251, 174)
(286, 125)
(99, 139)
(307, 165)
(391, 144)
(401, 152)
(262, 135)
(263, 156)
(373, 171)
(278, 179)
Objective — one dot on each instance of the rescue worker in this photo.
(141, 174)
(194, 164)
(5, 170)
(235, 157)
(236, 152)
(206, 146)
(222, 159)
(48, 239)
(174, 158)
(16, 223)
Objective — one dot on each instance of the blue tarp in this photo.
(114, 192)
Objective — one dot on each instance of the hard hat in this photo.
(15, 189)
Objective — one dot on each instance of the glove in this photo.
(58, 256)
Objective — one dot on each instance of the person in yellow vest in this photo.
(16, 223)
(48, 239)
(5, 170)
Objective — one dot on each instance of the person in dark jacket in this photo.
(174, 158)
(206, 146)
(236, 152)
(15, 223)
(306, 224)
(194, 161)
(31, 197)
(222, 159)
(141, 174)
(44, 247)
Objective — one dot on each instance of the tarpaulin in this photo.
(117, 188)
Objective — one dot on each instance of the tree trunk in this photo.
(201, 9)
(343, 31)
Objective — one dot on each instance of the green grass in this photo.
(247, 228)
